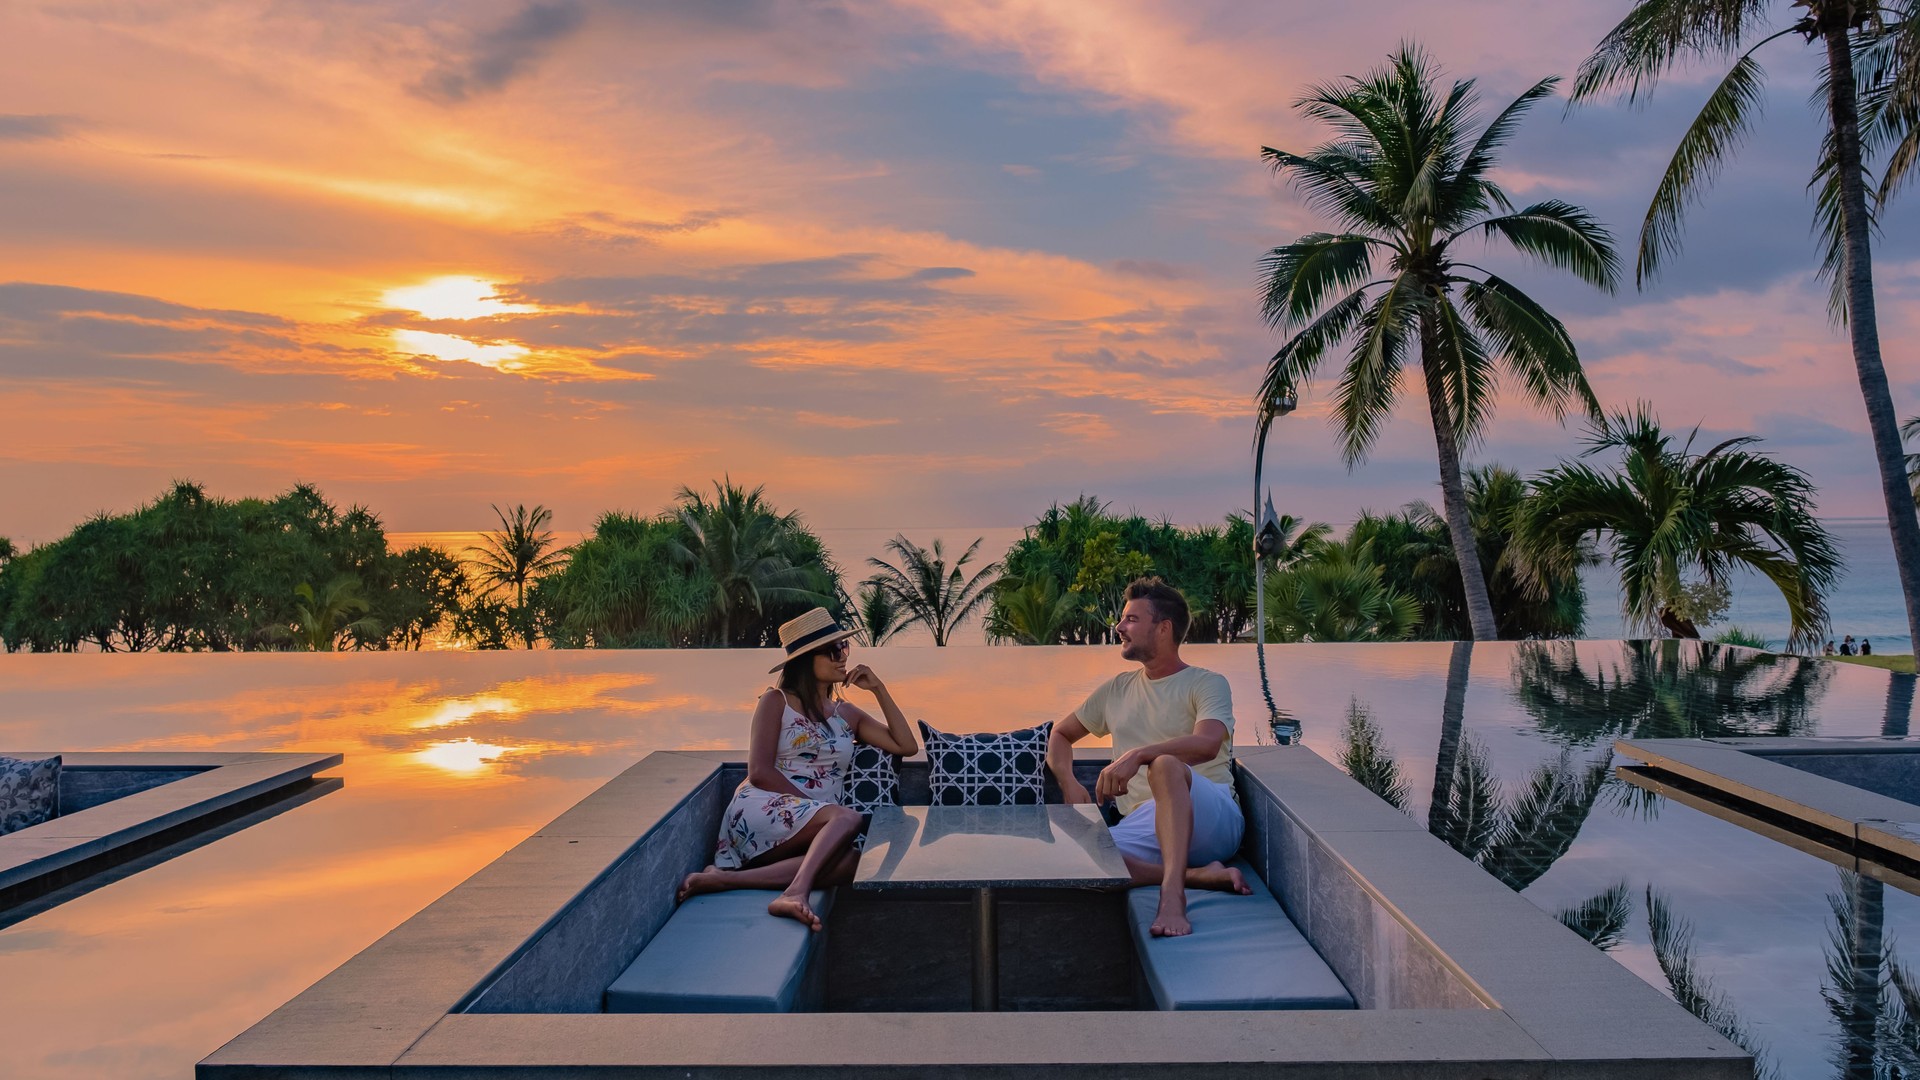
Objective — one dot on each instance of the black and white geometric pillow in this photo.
(1006, 769)
(872, 781)
(29, 791)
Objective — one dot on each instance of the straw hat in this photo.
(806, 633)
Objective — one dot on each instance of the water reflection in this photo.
(453, 758)
(1736, 928)
(463, 757)
(1665, 690)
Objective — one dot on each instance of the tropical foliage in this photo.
(517, 554)
(926, 592)
(1408, 179)
(1063, 581)
(1340, 593)
(1676, 520)
(1394, 576)
(1867, 73)
(711, 571)
(191, 572)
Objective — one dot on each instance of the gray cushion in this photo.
(29, 791)
(1244, 953)
(722, 953)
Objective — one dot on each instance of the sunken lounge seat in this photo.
(1244, 953)
(722, 953)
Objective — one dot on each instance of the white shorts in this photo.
(1217, 826)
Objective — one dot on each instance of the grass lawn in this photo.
(1890, 663)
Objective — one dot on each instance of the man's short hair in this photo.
(1167, 603)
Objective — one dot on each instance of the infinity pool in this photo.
(451, 758)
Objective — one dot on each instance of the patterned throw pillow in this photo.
(1007, 769)
(29, 791)
(872, 781)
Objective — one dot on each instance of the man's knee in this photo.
(1167, 769)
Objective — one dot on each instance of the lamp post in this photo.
(1266, 529)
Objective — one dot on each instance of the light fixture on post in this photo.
(1281, 399)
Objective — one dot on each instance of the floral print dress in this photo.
(815, 756)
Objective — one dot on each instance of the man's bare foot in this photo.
(1171, 919)
(1219, 877)
(705, 881)
(794, 907)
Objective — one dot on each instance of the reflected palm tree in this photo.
(1602, 918)
(1519, 839)
(1873, 998)
(1693, 989)
(1899, 708)
(1666, 689)
(1364, 755)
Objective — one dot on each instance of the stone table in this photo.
(986, 848)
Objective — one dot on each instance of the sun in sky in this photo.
(456, 296)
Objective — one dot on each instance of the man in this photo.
(1172, 771)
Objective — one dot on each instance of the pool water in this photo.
(451, 758)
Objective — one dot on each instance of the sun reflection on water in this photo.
(464, 757)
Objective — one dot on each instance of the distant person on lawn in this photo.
(1846, 645)
(1866, 646)
(1172, 771)
(1828, 651)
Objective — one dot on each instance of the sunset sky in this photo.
(910, 264)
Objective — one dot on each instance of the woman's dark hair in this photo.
(797, 678)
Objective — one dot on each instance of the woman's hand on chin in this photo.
(863, 677)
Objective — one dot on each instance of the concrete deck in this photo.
(1457, 976)
(112, 803)
(1800, 781)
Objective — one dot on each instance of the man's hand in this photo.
(1073, 791)
(1114, 778)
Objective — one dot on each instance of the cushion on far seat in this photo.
(1006, 768)
(1244, 953)
(722, 953)
(29, 791)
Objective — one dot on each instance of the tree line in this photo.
(723, 568)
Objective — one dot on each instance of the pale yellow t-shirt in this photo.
(1138, 711)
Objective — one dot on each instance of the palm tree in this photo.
(1674, 515)
(1869, 77)
(518, 553)
(321, 617)
(879, 616)
(1339, 594)
(1032, 611)
(749, 554)
(1907, 431)
(1299, 539)
(1408, 182)
(928, 591)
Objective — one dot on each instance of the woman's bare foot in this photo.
(1219, 877)
(1171, 919)
(794, 907)
(706, 881)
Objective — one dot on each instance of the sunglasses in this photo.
(838, 650)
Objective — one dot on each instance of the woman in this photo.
(785, 828)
